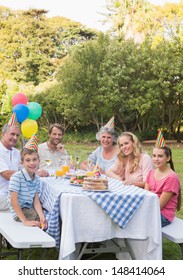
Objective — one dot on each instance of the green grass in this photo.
(171, 251)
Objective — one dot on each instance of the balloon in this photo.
(29, 127)
(21, 111)
(35, 110)
(19, 98)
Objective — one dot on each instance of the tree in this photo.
(137, 19)
(167, 72)
(32, 46)
(129, 17)
(79, 88)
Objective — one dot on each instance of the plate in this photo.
(96, 190)
(67, 177)
(74, 174)
(76, 185)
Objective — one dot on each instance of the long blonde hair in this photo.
(137, 150)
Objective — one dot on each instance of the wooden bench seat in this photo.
(174, 232)
(22, 237)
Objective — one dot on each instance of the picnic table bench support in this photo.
(18, 252)
(95, 248)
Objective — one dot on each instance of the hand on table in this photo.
(42, 173)
(43, 223)
(32, 223)
(128, 182)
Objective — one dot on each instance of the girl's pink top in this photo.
(170, 183)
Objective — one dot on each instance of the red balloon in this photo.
(19, 98)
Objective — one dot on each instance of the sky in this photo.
(87, 12)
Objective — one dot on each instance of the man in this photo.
(51, 151)
(9, 160)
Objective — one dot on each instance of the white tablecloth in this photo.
(83, 220)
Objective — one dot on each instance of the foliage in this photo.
(78, 80)
(138, 19)
(81, 78)
(32, 47)
(108, 77)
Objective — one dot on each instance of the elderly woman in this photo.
(133, 164)
(105, 155)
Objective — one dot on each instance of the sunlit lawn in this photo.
(171, 251)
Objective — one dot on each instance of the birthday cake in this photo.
(94, 183)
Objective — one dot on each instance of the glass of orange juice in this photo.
(59, 172)
(65, 168)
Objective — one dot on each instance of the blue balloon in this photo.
(21, 111)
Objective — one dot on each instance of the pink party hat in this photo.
(110, 123)
(13, 120)
(32, 144)
(160, 142)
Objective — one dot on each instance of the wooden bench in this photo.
(174, 232)
(22, 237)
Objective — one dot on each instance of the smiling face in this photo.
(126, 145)
(106, 140)
(10, 137)
(31, 162)
(160, 158)
(55, 136)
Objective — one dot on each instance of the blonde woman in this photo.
(132, 164)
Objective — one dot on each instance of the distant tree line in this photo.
(82, 78)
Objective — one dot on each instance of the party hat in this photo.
(32, 144)
(110, 123)
(160, 142)
(13, 120)
(96, 171)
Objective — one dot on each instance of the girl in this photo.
(165, 183)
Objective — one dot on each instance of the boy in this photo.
(24, 187)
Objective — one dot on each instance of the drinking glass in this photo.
(90, 165)
(77, 158)
(48, 162)
(59, 173)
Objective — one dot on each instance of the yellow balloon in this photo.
(29, 127)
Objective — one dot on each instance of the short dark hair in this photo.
(57, 125)
(26, 151)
